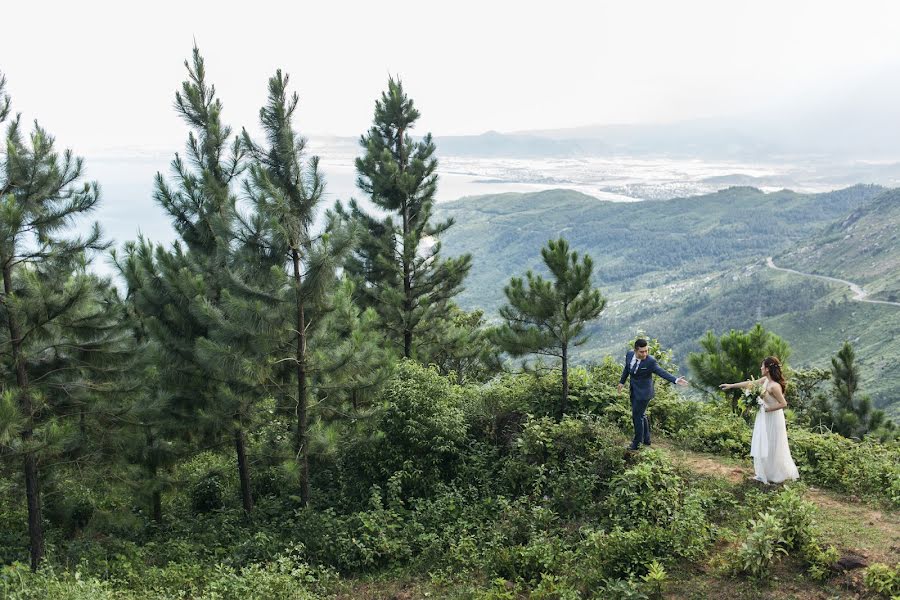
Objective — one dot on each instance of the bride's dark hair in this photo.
(775, 373)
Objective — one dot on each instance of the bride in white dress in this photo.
(769, 446)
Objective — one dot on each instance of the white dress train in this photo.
(769, 446)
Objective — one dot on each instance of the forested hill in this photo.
(863, 247)
(678, 268)
(638, 244)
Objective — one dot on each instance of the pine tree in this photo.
(350, 356)
(465, 347)
(56, 314)
(549, 317)
(180, 292)
(286, 193)
(398, 264)
(851, 411)
(736, 356)
(147, 429)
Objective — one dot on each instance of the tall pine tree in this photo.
(398, 265)
(180, 292)
(55, 315)
(286, 192)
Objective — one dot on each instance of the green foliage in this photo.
(649, 491)
(655, 579)
(207, 494)
(564, 462)
(716, 430)
(830, 460)
(763, 543)
(398, 266)
(883, 579)
(786, 525)
(851, 411)
(420, 433)
(736, 356)
(549, 317)
(285, 577)
(800, 533)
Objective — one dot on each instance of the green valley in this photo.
(678, 268)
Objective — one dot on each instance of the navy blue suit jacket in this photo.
(642, 381)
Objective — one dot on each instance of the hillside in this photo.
(863, 247)
(680, 267)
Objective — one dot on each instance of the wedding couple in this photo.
(769, 445)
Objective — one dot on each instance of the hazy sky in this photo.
(103, 74)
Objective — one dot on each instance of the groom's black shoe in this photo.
(631, 447)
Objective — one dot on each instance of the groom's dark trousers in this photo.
(641, 391)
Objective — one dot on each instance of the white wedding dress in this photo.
(769, 446)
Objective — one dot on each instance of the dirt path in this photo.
(849, 524)
(859, 294)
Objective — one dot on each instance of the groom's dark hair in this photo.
(639, 343)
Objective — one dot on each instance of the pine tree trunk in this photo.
(407, 277)
(157, 506)
(301, 444)
(156, 499)
(243, 469)
(565, 381)
(32, 487)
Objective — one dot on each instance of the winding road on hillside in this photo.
(859, 294)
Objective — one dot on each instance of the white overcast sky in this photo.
(103, 74)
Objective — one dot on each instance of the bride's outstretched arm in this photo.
(742, 384)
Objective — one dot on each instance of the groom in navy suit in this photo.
(641, 367)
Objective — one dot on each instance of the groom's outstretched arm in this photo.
(654, 366)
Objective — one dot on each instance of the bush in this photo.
(568, 462)
(421, 431)
(884, 580)
(649, 491)
(208, 494)
(797, 517)
(760, 548)
(863, 468)
(718, 431)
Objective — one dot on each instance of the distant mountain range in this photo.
(677, 268)
(846, 123)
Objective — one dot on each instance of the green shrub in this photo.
(883, 579)
(565, 464)
(527, 562)
(208, 494)
(718, 431)
(623, 589)
(649, 491)
(800, 534)
(862, 468)
(760, 548)
(17, 582)
(421, 431)
(554, 587)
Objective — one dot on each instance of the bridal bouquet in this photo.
(752, 393)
